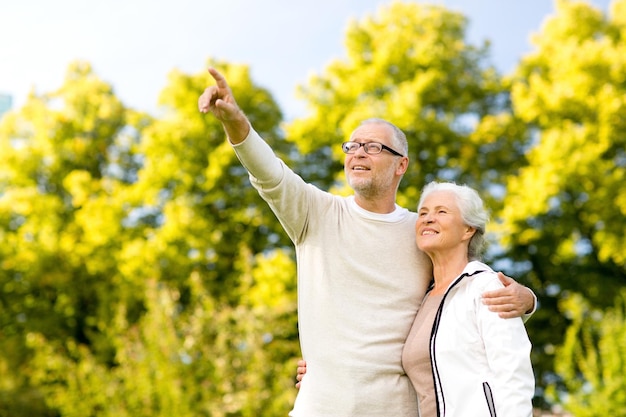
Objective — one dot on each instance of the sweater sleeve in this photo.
(258, 158)
(526, 316)
(288, 195)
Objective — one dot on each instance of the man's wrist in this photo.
(533, 305)
(237, 130)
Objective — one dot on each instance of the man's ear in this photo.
(402, 166)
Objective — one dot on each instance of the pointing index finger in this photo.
(219, 78)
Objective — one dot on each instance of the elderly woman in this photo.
(462, 359)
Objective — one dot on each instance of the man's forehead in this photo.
(372, 131)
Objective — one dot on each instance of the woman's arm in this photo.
(507, 348)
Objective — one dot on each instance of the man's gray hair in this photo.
(399, 138)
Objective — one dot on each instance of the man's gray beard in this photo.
(364, 189)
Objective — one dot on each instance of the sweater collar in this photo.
(398, 214)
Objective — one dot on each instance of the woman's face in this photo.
(440, 227)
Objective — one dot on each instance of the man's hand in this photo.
(514, 300)
(300, 372)
(219, 100)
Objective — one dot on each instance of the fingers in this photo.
(223, 89)
(301, 370)
(510, 291)
(219, 99)
(219, 78)
(496, 297)
(508, 314)
(509, 301)
(505, 280)
(505, 311)
(502, 303)
(213, 100)
(207, 99)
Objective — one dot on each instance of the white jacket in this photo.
(481, 362)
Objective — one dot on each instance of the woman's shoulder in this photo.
(481, 277)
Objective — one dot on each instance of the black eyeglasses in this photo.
(371, 148)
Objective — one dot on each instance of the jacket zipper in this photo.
(489, 398)
(440, 400)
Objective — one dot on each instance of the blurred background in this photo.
(140, 275)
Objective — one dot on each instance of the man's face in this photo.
(372, 175)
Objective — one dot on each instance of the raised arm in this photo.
(219, 100)
(514, 300)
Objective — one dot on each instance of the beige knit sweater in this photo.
(360, 281)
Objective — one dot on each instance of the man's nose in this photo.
(360, 151)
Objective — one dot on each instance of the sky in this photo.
(134, 44)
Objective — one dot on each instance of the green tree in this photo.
(140, 266)
(193, 191)
(142, 275)
(207, 225)
(563, 216)
(62, 165)
(209, 359)
(591, 359)
(410, 63)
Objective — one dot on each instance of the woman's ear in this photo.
(469, 232)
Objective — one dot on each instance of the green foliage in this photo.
(132, 256)
(59, 215)
(592, 358)
(563, 215)
(205, 360)
(193, 191)
(410, 64)
(572, 90)
(141, 274)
